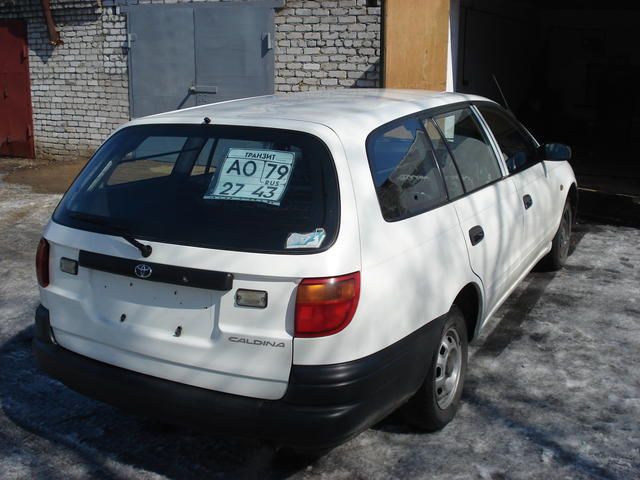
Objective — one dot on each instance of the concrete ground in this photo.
(553, 389)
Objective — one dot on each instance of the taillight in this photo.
(325, 306)
(42, 263)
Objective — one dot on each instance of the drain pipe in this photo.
(54, 35)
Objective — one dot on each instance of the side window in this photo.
(518, 149)
(405, 174)
(470, 147)
(448, 168)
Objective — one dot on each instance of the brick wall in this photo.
(327, 44)
(80, 89)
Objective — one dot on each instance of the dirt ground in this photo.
(40, 175)
(553, 388)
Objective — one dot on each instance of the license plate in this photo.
(252, 176)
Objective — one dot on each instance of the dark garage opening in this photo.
(569, 70)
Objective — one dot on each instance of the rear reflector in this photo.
(325, 306)
(42, 263)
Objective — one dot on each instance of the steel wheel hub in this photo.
(448, 366)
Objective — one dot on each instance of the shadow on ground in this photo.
(98, 433)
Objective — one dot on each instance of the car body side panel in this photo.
(539, 217)
(557, 174)
(548, 184)
(560, 179)
(496, 209)
(412, 271)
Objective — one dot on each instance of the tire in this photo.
(557, 257)
(435, 403)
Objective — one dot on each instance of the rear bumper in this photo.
(323, 407)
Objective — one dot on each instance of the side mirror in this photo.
(555, 151)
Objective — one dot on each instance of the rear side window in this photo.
(404, 170)
(470, 148)
(517, 147)
(223, 187)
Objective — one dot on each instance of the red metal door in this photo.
(16, 123)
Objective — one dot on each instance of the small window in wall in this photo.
(405, 174)
(517, 147)
(470, 148)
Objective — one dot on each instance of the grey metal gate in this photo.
(192, 54)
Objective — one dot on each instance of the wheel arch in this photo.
(469, 299)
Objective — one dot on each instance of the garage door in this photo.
(16, 127)
(186, 55)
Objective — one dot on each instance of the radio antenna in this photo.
(504, 99)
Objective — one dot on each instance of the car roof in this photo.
(340, 109)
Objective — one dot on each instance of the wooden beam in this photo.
(416, 39)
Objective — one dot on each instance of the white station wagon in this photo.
(294, 268)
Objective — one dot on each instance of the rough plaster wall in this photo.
(80, 89)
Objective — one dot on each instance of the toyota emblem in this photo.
(143, 271)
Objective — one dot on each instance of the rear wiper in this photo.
(120, 230)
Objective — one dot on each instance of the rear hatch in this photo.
(234, 216)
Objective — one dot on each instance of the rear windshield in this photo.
(223, 187)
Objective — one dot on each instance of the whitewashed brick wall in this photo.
(79, 90)
(327, 44)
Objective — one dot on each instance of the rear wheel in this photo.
(557, 257)
(436, 402)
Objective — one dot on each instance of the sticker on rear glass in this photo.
(252, 176)
(306, 240)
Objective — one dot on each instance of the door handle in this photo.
(476, 235)
(267, 43)
(528, 201)
(203, 89)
